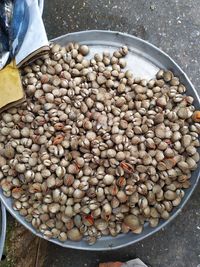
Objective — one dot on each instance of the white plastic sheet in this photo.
(35, 37)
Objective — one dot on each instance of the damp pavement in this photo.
(173, 26)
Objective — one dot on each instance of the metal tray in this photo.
(2, 229)
(145, 60)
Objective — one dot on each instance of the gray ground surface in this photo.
(174, 26)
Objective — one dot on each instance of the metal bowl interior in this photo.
(145, 60)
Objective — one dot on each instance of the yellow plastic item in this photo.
(11, 89)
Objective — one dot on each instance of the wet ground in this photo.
(173, 26)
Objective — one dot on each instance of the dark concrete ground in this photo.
(173, 26)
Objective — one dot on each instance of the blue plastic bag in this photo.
(14, 19)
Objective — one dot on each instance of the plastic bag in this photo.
(19, 26)
(6, 9)
(35, 41)
(23, 38)
(13, 27)
(22, 33)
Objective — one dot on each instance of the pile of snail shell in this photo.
(95, 151)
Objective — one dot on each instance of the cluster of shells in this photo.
(95, 151)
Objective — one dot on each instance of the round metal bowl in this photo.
(3, 229)
(145, 60)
